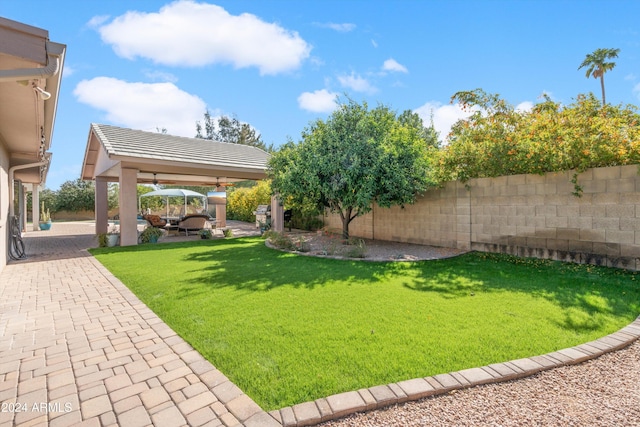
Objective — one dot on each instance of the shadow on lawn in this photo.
(250, 265)
(586, 293)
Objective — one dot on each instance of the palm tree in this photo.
(596, 65)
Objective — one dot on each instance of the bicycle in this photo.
(16, 245)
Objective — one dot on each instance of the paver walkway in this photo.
(77, 348)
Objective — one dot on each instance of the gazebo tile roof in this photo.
(151, 145)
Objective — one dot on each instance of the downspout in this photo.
(11, 183)
(54, 52)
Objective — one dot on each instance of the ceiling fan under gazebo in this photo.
(222, 184)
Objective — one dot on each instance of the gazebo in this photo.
(174, 192)
(130, 157)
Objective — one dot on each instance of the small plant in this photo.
(279, 240)
(264, 226)
(227, 232)
(104, 239)
(332, 245)
(302, 245)
(355, 248)
(205, 233)
(150, 235)
(45, 215)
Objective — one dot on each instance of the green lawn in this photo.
(288, 329)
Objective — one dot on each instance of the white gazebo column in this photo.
(128, 207)
(102, 205)
(277, 214)
(221, 210)
(35, 207)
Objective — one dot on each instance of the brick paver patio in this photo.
(77, 348)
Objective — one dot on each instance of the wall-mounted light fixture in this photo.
(44, 95)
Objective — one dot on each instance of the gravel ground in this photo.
(375, 250)
(600, 392)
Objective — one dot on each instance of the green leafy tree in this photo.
(76, 196)
(357, 157)
(596, 65)
(152, 203)
(231, 130)
(113, 195)
(46, 197)
(429, 134)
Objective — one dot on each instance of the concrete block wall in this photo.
(526, 215)
(428, 222)
(536, 215)
(440, 217)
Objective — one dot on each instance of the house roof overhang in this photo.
(168, 159)
(28, 59)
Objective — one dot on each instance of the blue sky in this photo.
(280, 65)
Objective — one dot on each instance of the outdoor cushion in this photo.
(194, 223)
(155, 220)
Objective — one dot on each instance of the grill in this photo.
(263, 215)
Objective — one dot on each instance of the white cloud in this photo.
(374, 43)
(320, 101)
(144, 106)
(341, 28)
(96, 21)
(393, 65)
(67, 71)
(444, 116)
(190, 34)
(636, 90)
(160, 76)
(356, 83)
(524, 107)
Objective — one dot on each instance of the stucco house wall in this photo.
(4, 205)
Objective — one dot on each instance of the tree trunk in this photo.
(346, 219)
(345, 229)
(602, 86)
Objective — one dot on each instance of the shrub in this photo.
(279, 240)
(150, 234)
(301, 245)
(497, 140)
(242, 202)
(306, 219)
(355, 248)
(102, 240)
(205, 233)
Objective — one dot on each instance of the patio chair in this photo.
(155, 221)
(194, 223)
